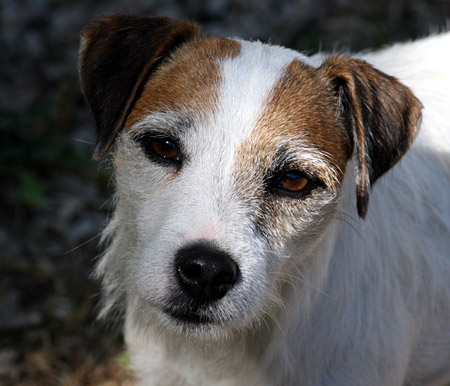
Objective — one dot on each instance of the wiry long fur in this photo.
(327, 298)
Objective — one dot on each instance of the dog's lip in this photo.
(188, 316)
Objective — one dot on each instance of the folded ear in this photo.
(117, 55)
(381, 115)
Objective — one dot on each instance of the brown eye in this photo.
(160, 149)
(293, 182)
(165, 148)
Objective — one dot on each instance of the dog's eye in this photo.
(295, 183)
(165, 148)
(161, 148)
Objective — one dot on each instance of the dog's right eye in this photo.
(161, 149)
(165, 148)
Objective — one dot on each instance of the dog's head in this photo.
(229, 158)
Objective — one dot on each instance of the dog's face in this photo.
(221, 170)
(229, 159)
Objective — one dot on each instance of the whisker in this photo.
(82, 244)
(352, 226)
(83, 141)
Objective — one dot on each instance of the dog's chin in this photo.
(199, 324)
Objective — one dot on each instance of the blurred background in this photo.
(55, 200)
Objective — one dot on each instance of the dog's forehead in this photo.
(255, 95)
(208, 72)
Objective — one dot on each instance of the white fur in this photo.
(365, 304)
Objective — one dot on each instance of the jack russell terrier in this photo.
(243, 249)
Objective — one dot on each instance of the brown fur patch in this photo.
(300, 119)
(302, 106)
(189, 79)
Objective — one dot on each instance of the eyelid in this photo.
(159, 134)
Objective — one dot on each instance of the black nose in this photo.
(205, 272)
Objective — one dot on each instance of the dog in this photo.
(243, 249)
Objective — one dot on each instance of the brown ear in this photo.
(381, 115)
(117, 55)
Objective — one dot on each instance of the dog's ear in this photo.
(117, 55)
(381, 115)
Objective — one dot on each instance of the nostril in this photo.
(190, 272)
(205, 272)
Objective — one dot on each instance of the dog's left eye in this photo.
(161, 149)
(295, 183)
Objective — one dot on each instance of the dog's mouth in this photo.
(189, 315)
